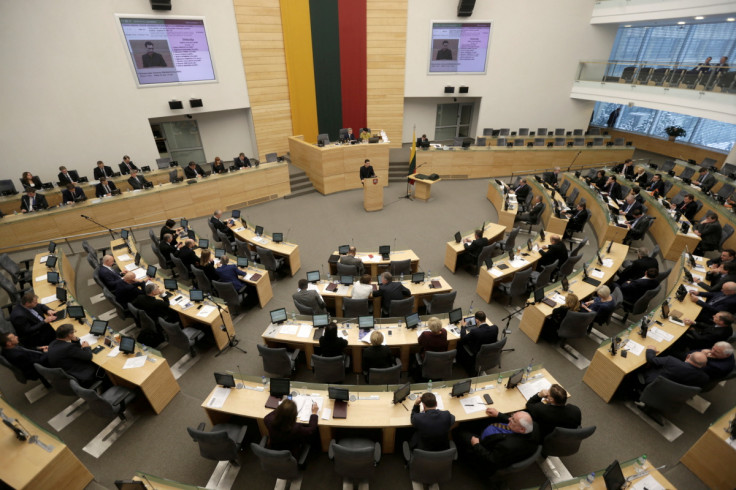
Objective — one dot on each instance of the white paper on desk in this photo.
(89, 338)
(473, 404)
(697, 278)
(114, 351)
(731, 442)
(558, 298)
(41, 278)
(633, 347)
(289, 329)
(304, 406)
(305, 331)
(205, 311)
(647, 482)
(607, 262)
(518, 263)
(44, 259)
(699, 268)
(47, 299)
(496, 272)
(140, 273)
(125, 257)
(531, 388)
(219, 397)
(240, 228)
(691, 288)
(135, 362)
(654, 335)
(375, 258)
(596, 273)
(131, 267)
(420, 331)
(662, 334)
(440, 403)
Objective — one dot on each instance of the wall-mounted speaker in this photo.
(164, 4)
(195, 102)
(175, 104)
(449, 90)
(463, 90)
(464, 8)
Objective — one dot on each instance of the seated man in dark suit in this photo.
(556, 250)
(655, 187)
(65, 177)
(366, 171)
(472, 339)
(226, 227)
(687, 208)
(231, 273)
(126, 166)
(725, 300)
(72, 194)
(613, 188)
(168, 248)
(389, 291)
(129, 289)
(74, 357)
(102, 170)
(688, 372)
(137, 181)
(154, 307)
(549, 409)
(31, 321)
(599, 180)
(241, 161)
(109, 276)
(709, 230)
(21, 357)
(705, 180)
(32, 201)
(473, 248)
(350, 136)
(720, 360)
(310, 298)
(635, 289)
(534, 211)
(187, 255)
(105, 187)
(639, 267)
(169, 228)
(577, 220)
(629, 206)
(522, 190)
(423, 142)
(432, 426)
(637, 227)
(552, 178)
(351, 259)
(507, 440)
(726, 272)
(193, 171)
(626, 169)
(702, 335)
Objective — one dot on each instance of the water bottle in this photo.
(641, 463)
(293, 317)
(528, 371)
(402, 277)
(588, 482)
(470, 310)
(399, 323)
(429, 386)
(264, 381)
(499, 380)
(429, 275)
(329, 277)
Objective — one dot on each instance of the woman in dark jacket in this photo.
(434, 339)
(330, 344)
(377, 356)
(552, 323)
(284, 433)
(207, 264)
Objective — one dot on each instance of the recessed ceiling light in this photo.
(681, 23)
(699, 17)
(730, 19)
(629, 25)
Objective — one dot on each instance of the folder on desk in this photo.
(273, 402)
(331, 287)
(255, 277)
(549, 303)
(341, 410)
(435, 284)
(502, 266)
(592, 282)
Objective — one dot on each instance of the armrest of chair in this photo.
(453, 446)
(406, 451)
(418, 358)
(467, 349)
(397, 362)
(200, 428)
(241, 435)
(96, 385)
(27, 263)
(377, 453)
(331, 450)
(293, 355)
(303, 454)
(263, 441)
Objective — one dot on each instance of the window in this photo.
(665, 119)
(636, 119)
(714, 134)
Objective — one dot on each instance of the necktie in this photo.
(107, 190)
(499, 425)
(33, 203)
(36, 314)
(628, 208)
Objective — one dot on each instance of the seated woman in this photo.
(218, 167)
(284, 433)
(330, 345)
(433, 340)
(603, 304)
(552, 323)
(207, 264)
(377, 356)
(363, 288)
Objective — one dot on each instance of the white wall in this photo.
(69, 95)
(534, 52)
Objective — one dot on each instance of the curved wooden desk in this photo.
(550, 222)
(627, 468)
(491, 231)
(712, 459)
(289, 251)
(375, 264)
(600, 215)
(497, 196)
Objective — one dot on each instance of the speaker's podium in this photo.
(372, 194)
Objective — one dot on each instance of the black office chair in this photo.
(488, 357)
(303, 309)
(540, 279)
(222, 443)
(401, 307)
(183, 273)
(575, 325)
(111, 403)
(18, 275)
(182, 338)
(352, 308)
(518, 287)
(641, 305)
(154, 238)
(281, 465)
(328, 369)
(233, 298)
(431, 467)
(398, 267)
(385, 376)
(271, 263)
(664, 396)
(278, 361)
(438, 365)
(565, 442)
(440, 303)
(355, 459)
(347, 269)
(201, 280)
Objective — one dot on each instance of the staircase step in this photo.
(300, 193)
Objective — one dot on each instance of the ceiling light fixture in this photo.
(699, 17)
(730, 19)
(682, 22)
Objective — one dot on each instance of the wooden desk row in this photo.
(491, 231)
(533, 318)
(713, 457)
(394, 334)
(188, 316)
(364, 413)
(606, 372)
(375, 264)
(138, 208)
(550, 222)
(289, 251)
(493, 140)
(154, 379)
(628, 468)
(600, 215)
(497, 197)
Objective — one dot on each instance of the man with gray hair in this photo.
(723, 300)
(155, 308)
(720, 360)
(389, 291)
(507, 440)
(351, 259)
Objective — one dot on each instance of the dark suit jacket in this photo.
(673, 369)
(74, 359)
(40, 203)
(557, 251)
(641, 180)
(707, 181)
(432, 427)
(98, 173)
(310, 299)
(627, 172)
(24, 359)
(433, 342)
(635, 289)
(213, 274)
(31, 331)
(65, 179)
(188, 256)
(166, 230)
(638, 228)
(230, 273)
(630, 210)
(550, 416)
(719, 368)
(614, 190)
(241, 163)
(167, 250)
(110, 279)
(350, 260)
(155, 308)
(292, 440)
(137, 182)
(391, 291)
(377, 356)
(499, 451)
(124, 169)
(550, 178)
(100, 190)
(367, 172)
(478, 336)
(218, 169)
(36, 182)
(220, 226)
(688, 210)
(521, 192)
(718, 282)
(637, 269)
(125, 293)
(67, 196)
(476, 246)
(715, 302)
(192, 173)
(332, 346)
(656, 186)
(703, 336)
(710, 235)
(577, 220)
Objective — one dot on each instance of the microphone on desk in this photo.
(84, 216)
(394, 244)
(286, 237)
(240, 385)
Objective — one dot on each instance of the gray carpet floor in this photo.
(159, 444)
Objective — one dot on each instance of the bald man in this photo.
(351, 259)
(129, 289)
(109, 276)
(187, 255)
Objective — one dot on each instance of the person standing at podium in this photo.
(366, 171)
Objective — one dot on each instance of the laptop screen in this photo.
(341, 394)
(225, 379)
(319, 321)
(124, 234)
(204, 243)
(242, 261)
(236, 214)
(151, 271)
(196, 295)
(219, 252)
(384, 249)
(365, 321)
(98, 327)
(61, 294)
(171, 284)
(401, 394)
(52, 247)
(343, 249)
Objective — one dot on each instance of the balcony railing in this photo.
(702, 78)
